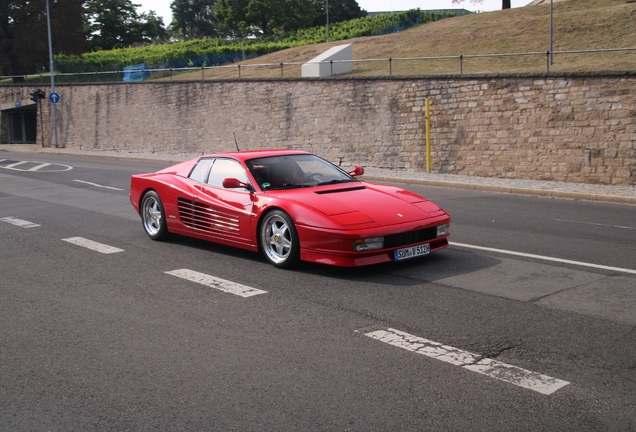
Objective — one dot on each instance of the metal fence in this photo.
(541, 61)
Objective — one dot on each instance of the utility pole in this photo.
(327, 3)
(551, 35)
(48, 23)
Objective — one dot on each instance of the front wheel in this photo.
(279, 239)
(153, 216)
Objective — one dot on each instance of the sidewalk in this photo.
(551, 189)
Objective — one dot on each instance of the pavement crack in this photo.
(628, 334)
(539, 298)
(500, 351)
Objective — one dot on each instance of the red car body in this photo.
(328, 220)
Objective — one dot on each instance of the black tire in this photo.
(153, 216)
(279, 239)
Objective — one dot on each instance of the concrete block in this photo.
(321, 66)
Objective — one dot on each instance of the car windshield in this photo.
(295, 171)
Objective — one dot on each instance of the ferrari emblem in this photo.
(276, 239)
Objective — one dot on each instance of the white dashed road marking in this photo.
(98, 185)
(19, 222)
(216, 283)
(473, 362)
(37, 167)
(545, 258)
(89, 244)
(596, 224)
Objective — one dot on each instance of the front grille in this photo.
(411, 237)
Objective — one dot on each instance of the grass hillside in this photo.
(578, 25)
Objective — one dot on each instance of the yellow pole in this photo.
(428, 136)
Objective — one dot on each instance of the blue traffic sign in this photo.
(18, 103)
(54, 97)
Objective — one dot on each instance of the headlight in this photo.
(370, 244)
(443, 230)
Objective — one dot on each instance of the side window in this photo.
(200, 171)
(226, 168)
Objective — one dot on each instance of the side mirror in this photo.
(233, 183)
(357, 171)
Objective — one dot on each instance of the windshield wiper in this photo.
(337, 181)
(288, 186)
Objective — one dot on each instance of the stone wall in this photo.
(574, 128)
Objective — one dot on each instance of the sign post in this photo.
(427, 113)
(54, 98)
(37, 96)
(48, 23)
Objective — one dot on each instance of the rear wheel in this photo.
(279, 239)
(153, 216)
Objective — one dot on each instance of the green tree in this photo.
(116, 24)
(298, 14)
(260, 14)
(194, 18)
(263, 18)
(151, 27)
(68, 24)
(339, 10)
(231, 15)
(24, 34)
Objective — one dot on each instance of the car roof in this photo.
(253, 154)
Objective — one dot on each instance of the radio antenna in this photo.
(236, 142)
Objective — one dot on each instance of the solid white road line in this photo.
(19, 222)
(98, 185)
(216, 283)
(89, 244)
(473, 362)
(545, 258)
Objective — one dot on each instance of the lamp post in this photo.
(48, 24)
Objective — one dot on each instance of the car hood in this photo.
(367, 204)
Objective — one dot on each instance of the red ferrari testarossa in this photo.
(290, 205)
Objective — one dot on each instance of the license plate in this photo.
(412, 252)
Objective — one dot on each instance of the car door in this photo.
(226, 214)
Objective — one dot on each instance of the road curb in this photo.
(173, 159)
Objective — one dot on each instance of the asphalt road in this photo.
(112, 341)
